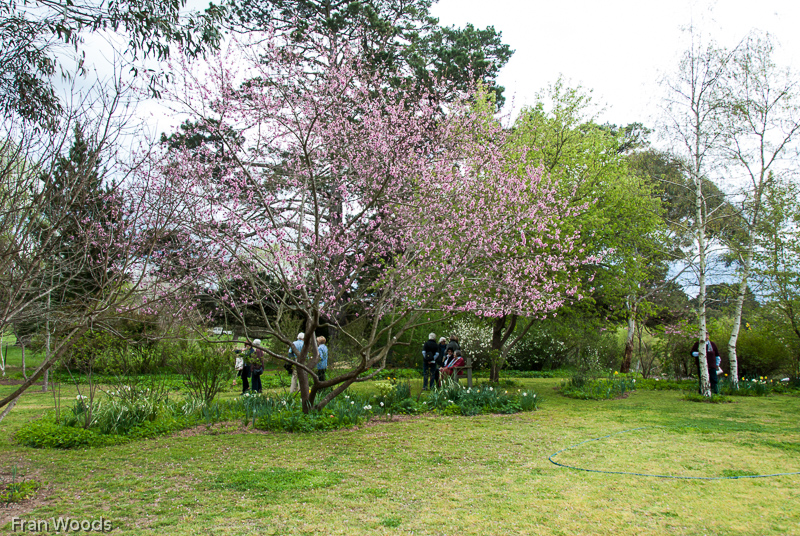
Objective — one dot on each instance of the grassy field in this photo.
(439, 475)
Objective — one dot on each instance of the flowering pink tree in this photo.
(340, 198)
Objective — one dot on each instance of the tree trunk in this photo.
(626, 360)
(705, 382)
(500, 334)
(309, 355)
(737, 319)
(24, 374)
(47, 346)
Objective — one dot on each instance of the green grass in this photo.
(427, 475)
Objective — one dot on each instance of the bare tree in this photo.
(62, 265)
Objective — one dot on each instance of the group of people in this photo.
(294, 353)
(250, 363)
(713, 361)
(250, 366)
(439, 360)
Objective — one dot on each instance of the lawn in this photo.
(439, 475)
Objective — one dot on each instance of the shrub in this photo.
(44, 433)
(474, 400)
(287, 415)
(583, 387)
(759, 386)
(207, 369)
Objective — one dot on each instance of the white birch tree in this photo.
(691, 122)
(759, 127)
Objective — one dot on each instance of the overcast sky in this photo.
(618, 48)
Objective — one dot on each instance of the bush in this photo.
(584, 387)
(759, 386)
(482, 399)
(207, 369)
(46, 434)
(658, 384)
(287, 415)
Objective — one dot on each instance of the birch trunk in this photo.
(705, 382)
(737, 320)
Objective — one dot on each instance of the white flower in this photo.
(491, 388)
(351, 403)
(381, 404)
(524, 394)
(367, 407)
(634, 380)
(534, 395)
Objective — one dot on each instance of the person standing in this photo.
(440, 361)
(243, 367)
(430, 351)
(294, 353)
(712, 360)
(453, 344)
(257, 366)
(322, 366)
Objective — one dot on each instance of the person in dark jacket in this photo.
(430, 351)
(453, 344)
(712, 355)
(257, 367)
(440, 360)
(245, 371)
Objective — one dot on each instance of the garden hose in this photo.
(648, 474)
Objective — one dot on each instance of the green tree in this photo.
(399, 37)
(759, 126)
(622, 221)
(36, 36)
(777, 261)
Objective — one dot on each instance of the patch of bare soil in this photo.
(7, 381)
(22, 508)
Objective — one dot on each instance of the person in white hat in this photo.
(294, 353)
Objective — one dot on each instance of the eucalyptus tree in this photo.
(41, 40)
